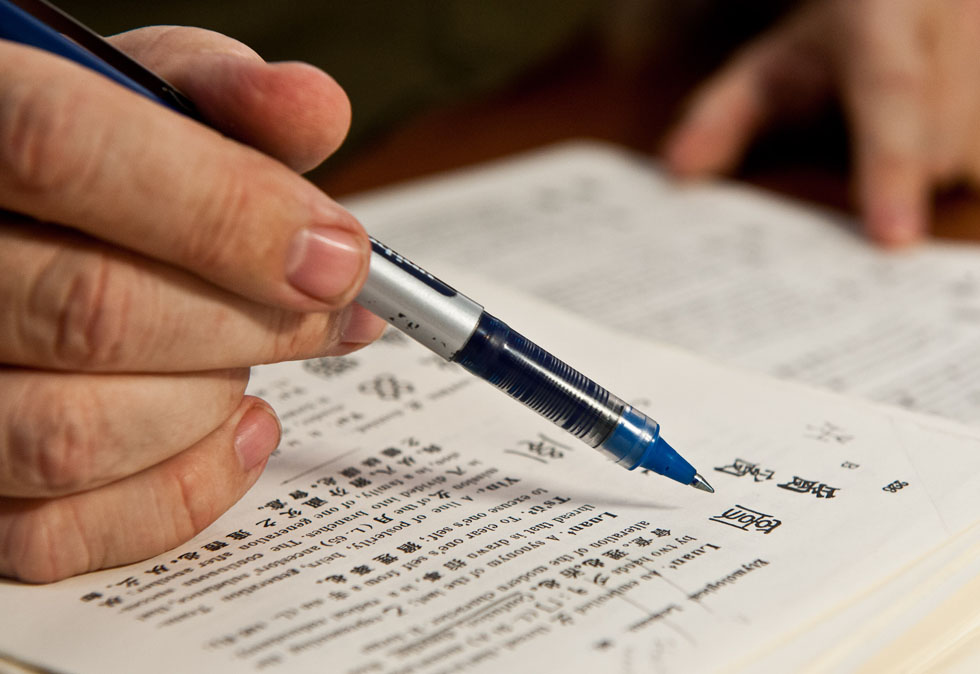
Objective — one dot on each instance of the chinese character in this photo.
(741, 467)
(828, 432)
(614, 554)
(741, 517)
(386, 559)
(386, 387)
(238, 535)
(329, 367)
(409, 547)
(801, 486)
(546, 447)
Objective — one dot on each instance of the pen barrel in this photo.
(539, 380)
(417, 303)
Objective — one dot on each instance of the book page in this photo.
(924, 616)
(724, 270)
(414, 519)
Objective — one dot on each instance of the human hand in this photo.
(908, 72)
(178, 257)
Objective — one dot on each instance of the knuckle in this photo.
(91, 313)
(194, 504)
(40, 138)
(54, 453)
(43, 544)
(214, 240)
(296, 336)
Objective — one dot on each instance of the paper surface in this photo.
(416, 520)
(719, 269)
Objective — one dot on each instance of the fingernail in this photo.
(896, 227)
(257, 435)
(324, 262)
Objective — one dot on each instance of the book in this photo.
(726, 270)
(416, 520)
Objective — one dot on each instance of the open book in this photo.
(717, 268)
(416, 520)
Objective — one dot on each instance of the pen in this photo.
(402, 293)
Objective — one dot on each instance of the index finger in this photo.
(885, 94)
(79, 150)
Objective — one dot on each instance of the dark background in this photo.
(438, 84)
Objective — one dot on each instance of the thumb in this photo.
(291, 111)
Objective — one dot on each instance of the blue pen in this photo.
(408, 297)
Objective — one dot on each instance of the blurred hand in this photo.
(145, 263)
(908, 72)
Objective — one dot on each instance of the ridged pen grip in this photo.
(550, 387)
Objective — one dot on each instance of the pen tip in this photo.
(700, 483)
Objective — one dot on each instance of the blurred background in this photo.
(438, 84)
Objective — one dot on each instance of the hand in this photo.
(908, 72)
(153, 262)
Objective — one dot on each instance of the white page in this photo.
(726, 271)
(534, 553)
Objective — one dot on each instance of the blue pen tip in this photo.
(661, 458)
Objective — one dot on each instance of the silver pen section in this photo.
(458, 329)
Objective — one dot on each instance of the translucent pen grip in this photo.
(525, 371)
